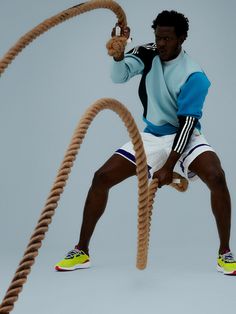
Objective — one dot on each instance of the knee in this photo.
(103, 179)
(215, 178)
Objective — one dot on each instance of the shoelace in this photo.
(228, 257)
(72, 253)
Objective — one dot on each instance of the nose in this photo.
(161, 43)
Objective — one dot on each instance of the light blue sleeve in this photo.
(192, 95)
(122, 71)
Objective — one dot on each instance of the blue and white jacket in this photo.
(172, 92)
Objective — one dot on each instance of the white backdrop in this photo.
(44, 92)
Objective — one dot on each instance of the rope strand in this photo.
(146, 195)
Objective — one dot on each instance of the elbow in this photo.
(119, 79)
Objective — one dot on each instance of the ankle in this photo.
(85, 249)
(224, 250)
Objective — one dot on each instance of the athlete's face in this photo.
(168, 44)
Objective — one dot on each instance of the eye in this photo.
(166, 38)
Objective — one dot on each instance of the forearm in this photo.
(172, 160)
(119, 71)
(124, 69)
(186, 127)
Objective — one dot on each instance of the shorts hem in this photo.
(126, 157)
(190, 158)
(130, 158)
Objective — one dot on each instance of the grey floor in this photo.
(180, 276)
(174, 282)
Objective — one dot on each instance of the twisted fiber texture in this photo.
(38, 235)
(116, 45)
(45, 219)
(181, 186)
(144, 217)
(57, 19)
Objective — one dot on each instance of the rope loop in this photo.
(116, 46)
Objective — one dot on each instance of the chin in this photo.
(165, 58)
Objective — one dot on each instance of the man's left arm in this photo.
(190, 103)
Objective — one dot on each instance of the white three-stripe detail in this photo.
(184, 134)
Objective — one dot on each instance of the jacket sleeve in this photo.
(132, 64)
(192, 95)
(190, 104)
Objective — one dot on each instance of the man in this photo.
(172, 91)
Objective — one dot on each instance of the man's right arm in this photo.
(127, 65)
(124, 70)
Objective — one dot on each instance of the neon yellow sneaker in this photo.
(74, 259)
(226, 264)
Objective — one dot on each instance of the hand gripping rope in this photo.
(146, 194)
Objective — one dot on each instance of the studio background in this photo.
(44, 92)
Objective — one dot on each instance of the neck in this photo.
(176, 53)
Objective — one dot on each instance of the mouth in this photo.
(163, 55)
(162, 52)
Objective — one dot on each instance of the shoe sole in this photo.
(79, 266)
(221, 270)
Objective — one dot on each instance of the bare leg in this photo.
(207, 166)
(115, 170)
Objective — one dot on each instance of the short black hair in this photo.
(172, 18)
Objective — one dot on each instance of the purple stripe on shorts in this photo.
(126, 154)
(132, 158)
(189, 153)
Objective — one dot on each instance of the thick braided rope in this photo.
(57, 19)
(45, 219)
(38, 235)
(144, 216)
(116, 45)
(181, 186)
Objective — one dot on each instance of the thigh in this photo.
(117, 168)
(206, 164)
(198, 155)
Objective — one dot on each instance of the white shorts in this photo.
(158, 148)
